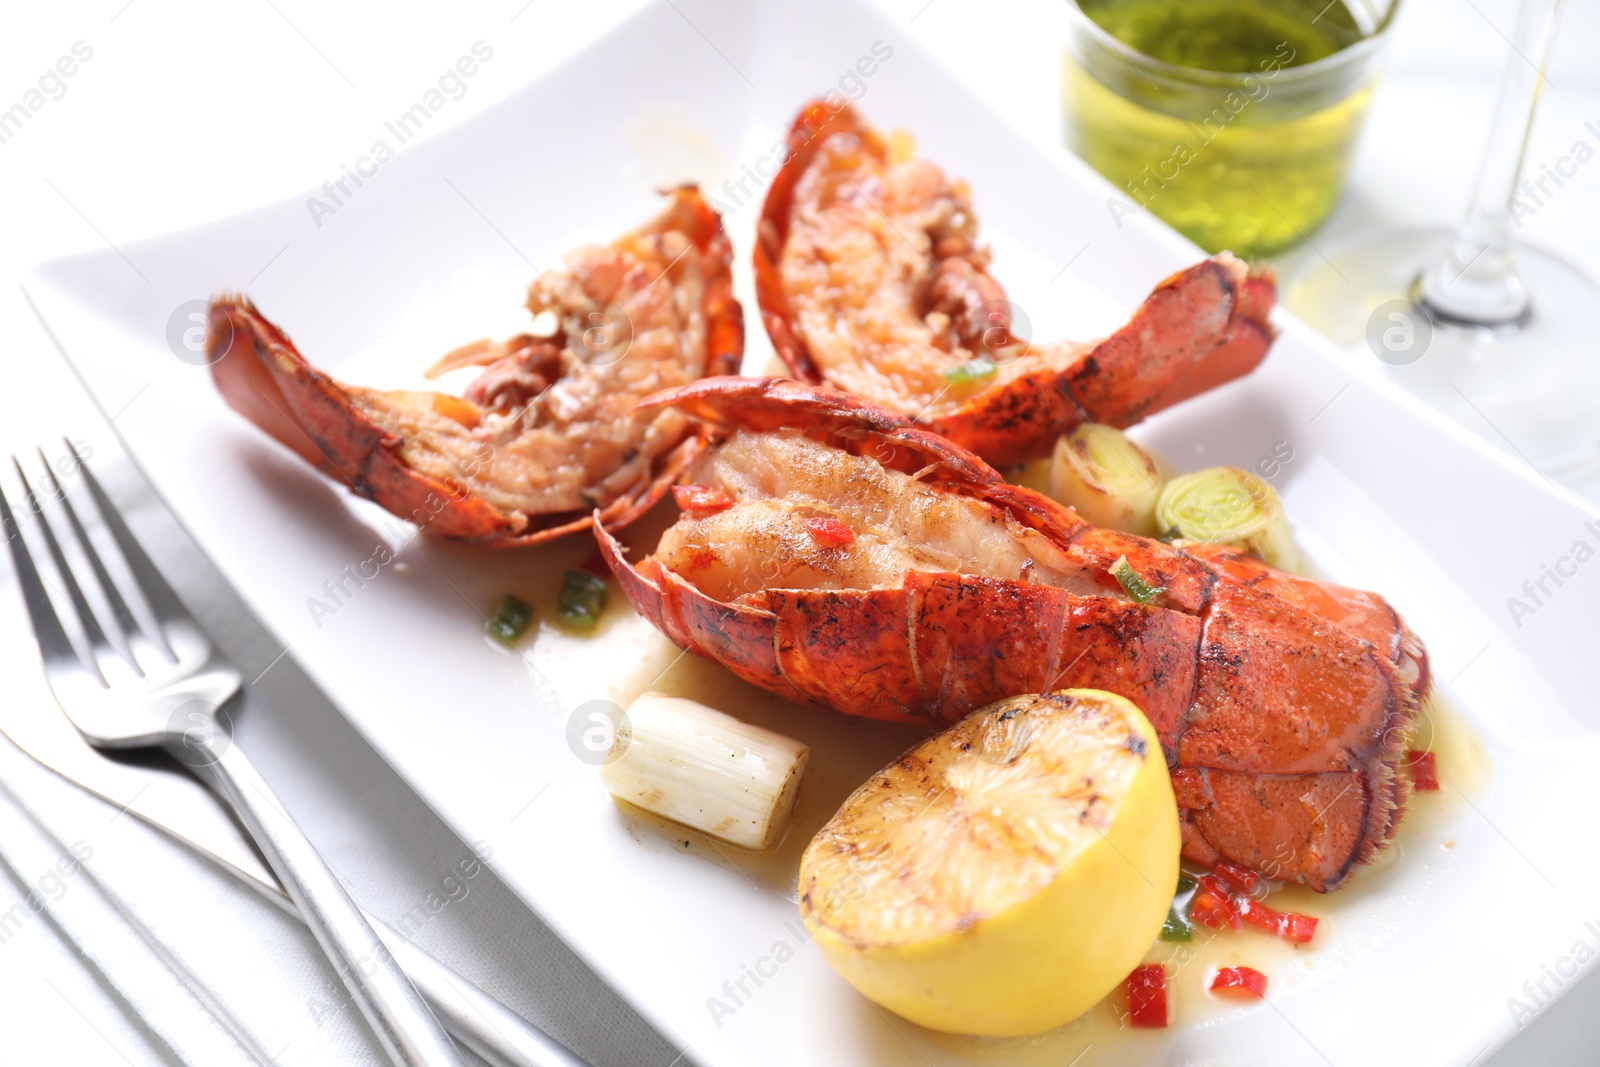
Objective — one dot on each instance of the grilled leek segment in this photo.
(1229, 506)
(1002, 877)
(1110, 480)
(705, 769)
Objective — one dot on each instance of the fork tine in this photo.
(91, 625)
(163, 601)
(119, 607)
(53, 643)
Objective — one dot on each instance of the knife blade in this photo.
(182, 808)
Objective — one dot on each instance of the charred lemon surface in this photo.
(1003, 876)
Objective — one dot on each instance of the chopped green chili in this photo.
(973, 370)
(1177, 927)
(511, 619)
(583, 599)
(1136, 587)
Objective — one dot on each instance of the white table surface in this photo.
(190, 111)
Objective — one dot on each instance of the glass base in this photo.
(1531, 388)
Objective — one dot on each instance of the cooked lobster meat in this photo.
(547, 436)
(871, 279)
(840, 555)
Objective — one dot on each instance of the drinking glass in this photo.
(1495, 333)
(1249, 160)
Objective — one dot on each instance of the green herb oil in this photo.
(1226, 35)
(1253, 166)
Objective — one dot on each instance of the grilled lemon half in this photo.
(1002, 877)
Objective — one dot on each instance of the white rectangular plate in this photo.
(1418, 963)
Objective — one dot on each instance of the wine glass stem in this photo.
(1477, 282)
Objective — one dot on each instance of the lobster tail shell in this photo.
(1196, 330)
(262, 376)
(816, 122)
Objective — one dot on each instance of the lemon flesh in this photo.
(1002, 877)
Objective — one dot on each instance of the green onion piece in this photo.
(583, 599)
(973, 370)
(1136, 587)
(1173, 534)
(1185, 884)
(1232, 507)
(512, 618)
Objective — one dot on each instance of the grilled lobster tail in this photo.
(547, 436)
(870, 279)
(866, 564)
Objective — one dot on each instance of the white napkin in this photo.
(153, 956)
(187, 966)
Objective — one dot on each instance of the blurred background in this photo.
(187, 112)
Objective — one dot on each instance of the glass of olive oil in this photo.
(1233, 120)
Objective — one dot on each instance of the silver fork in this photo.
(170, 691)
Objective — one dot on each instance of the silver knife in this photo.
(181, 807)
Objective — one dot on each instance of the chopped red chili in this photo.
(830, 531)
(1241, 878)
(1246, 980)
(1290, 925)
(1213, 907)
(1147, 996)
(1301, 928)
(1424, 771)
(702, 498)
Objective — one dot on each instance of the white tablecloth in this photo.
(137, 953)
